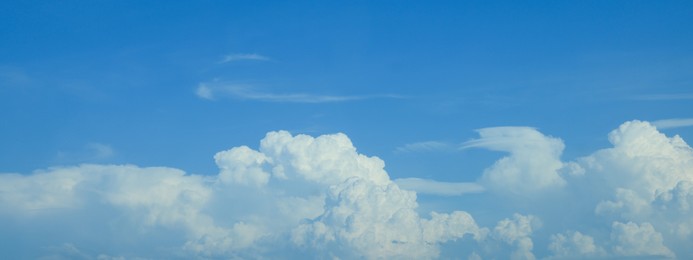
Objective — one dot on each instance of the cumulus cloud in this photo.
(573, 244)
(638, 191)
(533, 164)
(242, 165)
(298, 196)
(385, 225)
(214, 90)
(642, 165)
(318, 192)
(517, 232)
(638, 240)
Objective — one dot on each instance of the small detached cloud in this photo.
(673, 123)
(100, 151)
(214, 90)
(244, 56)
(205, 92)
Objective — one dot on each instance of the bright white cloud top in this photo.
(299, 196)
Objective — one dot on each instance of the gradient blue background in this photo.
(123, 74)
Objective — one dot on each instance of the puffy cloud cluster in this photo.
(318, 193)
(646, 181)
(574, 244)
(298, 196)
(638, 240)
(633, 199)
(380, 221)
(517, 232)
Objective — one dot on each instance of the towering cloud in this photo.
(533, 162)
(302, 196)
(318, 193)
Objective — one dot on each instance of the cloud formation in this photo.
(91, 152)
(534, 159)
(244, 56)
(427, 186)
(426, 146)
(298, 196)
(673, 123)
(317, 192)
(214, 90)
(663, 97)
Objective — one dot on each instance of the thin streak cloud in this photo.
(427, 146)
(426, 186)
(91, 152)
(673, 123)
(663, 97)
(212, 92)
(244, 56)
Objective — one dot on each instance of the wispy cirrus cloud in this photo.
(244, 56)
(212, 91)
(14, 77)
(204, 91)
(673, 123)
(426, 146)
(433, 187)
(663, 97)
(91, 152)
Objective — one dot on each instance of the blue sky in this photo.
(157, 84)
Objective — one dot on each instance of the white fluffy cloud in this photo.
(638, 240)
(533, 164)
(644, 181)
(318, 192)
(517, 232)
(298, 196)
(380, 221)
(574, 245)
